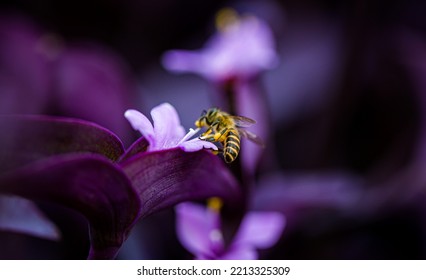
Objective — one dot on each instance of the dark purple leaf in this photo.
(28, 138)
(87, 183)
(165, 178)
(139, 146)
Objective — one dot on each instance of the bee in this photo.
(227, 130)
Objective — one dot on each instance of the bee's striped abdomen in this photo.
(232, 146)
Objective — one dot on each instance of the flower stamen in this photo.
(189, 135)
(215, 204)
(226, 18)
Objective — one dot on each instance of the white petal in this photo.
(196, 145)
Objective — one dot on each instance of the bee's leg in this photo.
(209, 138)
(213, 136)
(208, 135)
(207, 132)
(218, 151)
(220, 134)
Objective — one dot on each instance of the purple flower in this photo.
(83, 166)
(167, 132)
(199, 231)
(242, 49)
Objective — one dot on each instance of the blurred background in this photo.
(346, 104)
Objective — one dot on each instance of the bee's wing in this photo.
(251, 136)
(241, 121)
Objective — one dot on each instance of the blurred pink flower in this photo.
(243, 49)
(199, 231)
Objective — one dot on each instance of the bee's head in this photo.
(206, 118)
(210, 116)
(201, 120)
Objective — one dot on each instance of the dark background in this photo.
(347, 97)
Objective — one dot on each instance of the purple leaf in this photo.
(29, 138)
(139, 146)
(165, 178)
(87, 183)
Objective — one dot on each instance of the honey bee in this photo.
(227, 130)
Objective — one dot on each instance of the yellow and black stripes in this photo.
(231, 145)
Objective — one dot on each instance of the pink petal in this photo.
(193, 225)
(260, 229)
(242, 50)
(167, 128)
(183, 61)
(141, 123)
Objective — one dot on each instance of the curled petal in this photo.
(260, 229)
(168, 177)
(87, 183)
(141, 123)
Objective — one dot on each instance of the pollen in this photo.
(215, 204)
(218, 136)
(226, 18)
